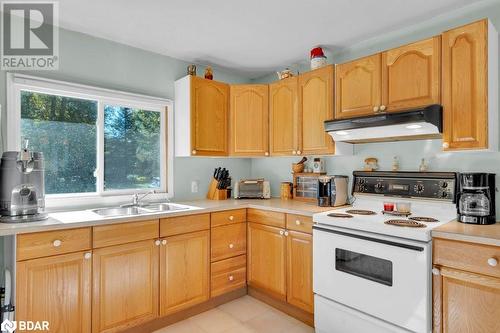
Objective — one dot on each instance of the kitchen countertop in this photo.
(86, 218)
(482, 234)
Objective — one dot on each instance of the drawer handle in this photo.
(231, 278)
(57, 243)
(231, 218)
(297, 222)
(492, 262)
(231, 245)
(87, 255)
(164, 242)
(157, 242)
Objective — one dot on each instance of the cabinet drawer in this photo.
(228, 275)
(299, 223)
(184, 224)
(114, 234)
(467, 256)
(273, 219)
(228, 241)
(228, 217)
(43, 244)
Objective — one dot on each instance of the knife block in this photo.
(214, 193)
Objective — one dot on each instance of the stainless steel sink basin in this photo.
(119, 211)
(138, 210)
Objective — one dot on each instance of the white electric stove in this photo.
(372, 269)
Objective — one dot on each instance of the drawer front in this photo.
(44, 244)
(470, 257)
(108, 235)
(227, 275)
(184, 224)
(299, 223)
(228, 241)
(273, 219)
(228, 217)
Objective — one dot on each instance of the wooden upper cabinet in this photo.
(249, 120)
(56, 289)
(184, 271)
(266, 259)
(299, 270)
(358, 87)
(125, 288)
(316, 106)
(283, 114)
(465, 87)
(209, 113)
(411, 75)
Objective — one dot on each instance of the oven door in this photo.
(386, 277)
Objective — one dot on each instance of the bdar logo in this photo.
(8, 326)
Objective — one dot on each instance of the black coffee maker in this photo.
(476, 198)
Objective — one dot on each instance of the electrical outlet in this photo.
(194, 186)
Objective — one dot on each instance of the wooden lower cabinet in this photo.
(267, 259)
(184, 271)
(125, 286)
(299, 270)
(56, 289)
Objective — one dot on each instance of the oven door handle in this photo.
(372, 239)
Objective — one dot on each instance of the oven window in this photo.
(364, 266)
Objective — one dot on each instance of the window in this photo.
(95, 141)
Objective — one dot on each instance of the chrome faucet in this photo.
(136, 199)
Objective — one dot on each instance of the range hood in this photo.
(423, 123)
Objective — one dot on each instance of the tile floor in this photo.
(243, 315)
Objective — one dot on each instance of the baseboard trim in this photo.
(303, 316)
(158, 323)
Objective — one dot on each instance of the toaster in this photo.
(252, 189)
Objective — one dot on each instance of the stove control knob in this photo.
(379, 187)
(419, 188)
(362, 181)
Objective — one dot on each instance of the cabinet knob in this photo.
(375, 109)
(294, 152)
(57, 243)
(157, 242)
(297, 222)
(231, 245)
(492, 262)
(164, 242)
(266, 153)
(286, 233)
(282, 232)
(87, 255)
(299, 152)
(231, 218)
(193, 152)
(446, 145)
(383, 108)
(436, 271)
(230, 278)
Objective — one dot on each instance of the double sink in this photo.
(131, 210)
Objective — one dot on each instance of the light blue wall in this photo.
(88, 60)
(410, 153)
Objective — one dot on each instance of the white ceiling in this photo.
(252, 37)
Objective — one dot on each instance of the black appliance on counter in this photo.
(332, 191)
(476, 198)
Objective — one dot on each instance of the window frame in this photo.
(20, 82)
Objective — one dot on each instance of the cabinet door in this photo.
(465, 92)
(209, 113)
(184, 271)
(267, 259)
(411, 75)
(358, 87)
(470, 302)
(249, 120)
(56, 289)
(299, 270)
(283, 117)
(316, 106)
(125, 288)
